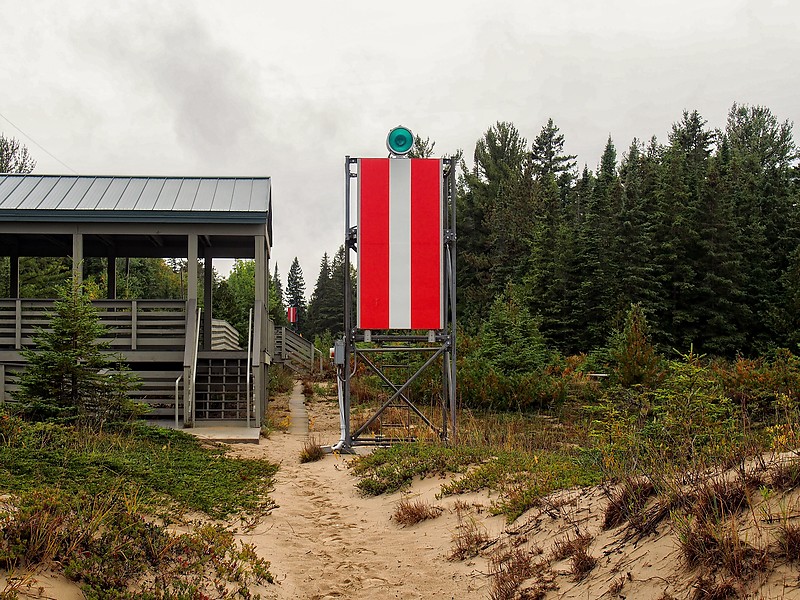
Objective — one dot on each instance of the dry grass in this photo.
(706, 587)
(788, 540)
(715, 544)
(577, 550)
(786, 476)
(627, 502)
(568, 546)
(718, 499)
(411, 512)
(469, 538)
(507, 571)
(312, 451)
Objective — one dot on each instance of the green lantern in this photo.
(400, 141)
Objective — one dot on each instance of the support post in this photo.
(77, 257)
(13, 284)
(348, 307)
(111, 277)
(208, 282)
(260, 329)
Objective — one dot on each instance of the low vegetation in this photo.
(411, 512)
(311, 451)
(96, 505)
(701, 448)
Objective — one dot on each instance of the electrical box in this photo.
(338, 353)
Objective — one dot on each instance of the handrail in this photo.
(317, 350)
(194, 360)
(249, 366)
(177, 381)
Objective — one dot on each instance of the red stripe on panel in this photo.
(373, 243)
(426, 244)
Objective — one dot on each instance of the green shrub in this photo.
(281, 380)
(68, 377)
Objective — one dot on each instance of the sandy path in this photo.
(327, 541)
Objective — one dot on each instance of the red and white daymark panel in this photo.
(400, 243)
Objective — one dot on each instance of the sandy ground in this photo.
(327, 541)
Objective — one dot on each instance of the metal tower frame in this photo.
(440, 343)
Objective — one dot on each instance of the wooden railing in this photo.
(130, 324)
(293, 350)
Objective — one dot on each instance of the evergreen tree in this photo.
(276, 283)
(421, 148)
(296, 292)
(548, 158)
(68, 376)
(314, 325)
(762, 179)
(498, 166)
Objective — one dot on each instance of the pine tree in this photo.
(498, 166)
(296, 292)
(68, 377)
(762, 178)
(314, 324)
(548, 158)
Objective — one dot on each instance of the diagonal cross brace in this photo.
(399, 391)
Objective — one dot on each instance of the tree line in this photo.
(702, 232)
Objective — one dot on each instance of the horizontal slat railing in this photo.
(131, 324)
(293, 350)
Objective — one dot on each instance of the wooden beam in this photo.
(208, 284)
(77, 257)
(111, 277)
(13, 284)
(191, 267)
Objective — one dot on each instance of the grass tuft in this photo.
(706, 587)
(411, 512)
(469, 538)
(577, 550)
(507, 571)
(786, 476)
(312, 451)
(626, 503)
(788, 540)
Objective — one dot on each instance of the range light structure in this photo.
(405, 242)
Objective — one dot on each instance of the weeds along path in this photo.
(327, 541)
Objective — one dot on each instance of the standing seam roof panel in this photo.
(39, 193)
(241, 195)
(259, 199)
(113, 194)
(205, 194)
(7, 187)
(223, 196)
(76, 193)
(169, 192)
(95, 193)
(58, 192)
(150, 193)
(130, 197)
(21, 192)
(186, 197)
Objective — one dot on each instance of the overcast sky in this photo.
(287, 89)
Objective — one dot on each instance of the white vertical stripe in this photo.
(400, 243)
(358, 244)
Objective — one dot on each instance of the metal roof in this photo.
(84, 198)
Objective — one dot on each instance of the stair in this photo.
(294, 351)
(221, 389)
(157, 390)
